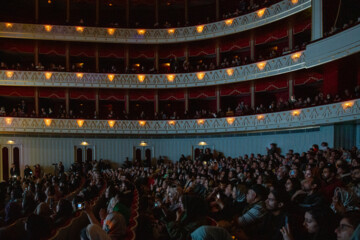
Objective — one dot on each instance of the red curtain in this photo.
(232, 43)
(271, 35)
(111, 50)
(167, 51)
(55, 93)
(171, 94)
(15, 45)
(52, 48)
(196, 93)
(269, 85)
(111, 95)
(236, 89)
(144, 95)
(82, 94)
(331, 78)
(17, 91)
(302, 26)
(307, 78)
(82, 49)
(142, 51)
(202, 48)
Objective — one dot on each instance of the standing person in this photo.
(61, 168)
(14, 171)
(27, 171)
(37, 171)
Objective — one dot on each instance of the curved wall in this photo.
(261, 17)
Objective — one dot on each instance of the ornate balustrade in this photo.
(307, 117)
(252, 20)
(272, 67)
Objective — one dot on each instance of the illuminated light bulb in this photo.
(80, 29)
(200, 121)
(200, 28)
(142, 123)
(229, 22)
(202, 143)
(296, 113)
(84, 143)
(171, 31)
(296, 56)
(230, 120)
(79, 75)
(111, 123)
(294, 1)
(111, 31)
(10, 142)
(8, 121)
(261, 12)
(80, 122)
(141, 78)
(8, 25)
(230, 71)
(48, 75)
(347, 105)
(47, 122)
(170, 77)
(172, 122)
(48, 28)
(200, 75)
(141, 31)
(143, 143)
(260, 117)
(9, 74)
(261, 65)
(111, 77)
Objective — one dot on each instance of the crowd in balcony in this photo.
(280, 195)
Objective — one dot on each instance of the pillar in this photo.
(156, 63)
(127, 13)
(157, 11)
(186, 96)
(67, 11)
(316, 19)
(36, 96)
(252, 94)
(36, 52)
(291, 36)
(252, 47)
(186, 51)
(67, 101)
(127, 56)
(217, 10)
(67, 56)
(291, 85)
(218, 99)
(186, 17)
(97, 12)
(331, 78)
(97, 67)
(156, 101)
(217, 52)
(97, 103)
(127, 102)
(36, 11)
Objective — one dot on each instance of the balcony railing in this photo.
(252, 20)
(272, 67)
(307, 117)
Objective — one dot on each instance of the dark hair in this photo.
(37, 227)
(65, 208)
(325, 219)
(317, 182)
(353, 217)
(280, 195)
(296, 183)
(330, 167)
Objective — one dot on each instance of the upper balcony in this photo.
(246, 22)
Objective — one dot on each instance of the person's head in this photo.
(64, 208)
(42, 209)
(256, 193)
(318, 221)
(347, 225)
(328, 173)
(36, 227)
(310, 185)
(277, 200)
(115, 225)
(292, 185)
(355, 174)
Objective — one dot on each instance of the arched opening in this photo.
(16, 157)
(89, 154)
(148, 157)
(138, 155)
(79, 155)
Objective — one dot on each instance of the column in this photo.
(186, 2)
(97, 12)
(291, 85)
(36, 11)
(331, 78)
(67, 11)
(127, 57)
(218, 99)
(97, 68)
(67, 101)
(157, 11)
(156, 101)
(127, 102)
(252, 94)
(97, 103)
(252, 47)
(36, 95)
(217, 52)
(316, 19)
(156, 63)
(186, 51)
(186, 96)
(36, 52)
(291, 35)
(217, 10)
(67, 56)
(127, 13)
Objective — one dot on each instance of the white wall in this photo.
(47, 150)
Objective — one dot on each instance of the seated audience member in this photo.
(292, 185)
(64, 211)
(329, 182)
(309, 196)
(36, 227)
(210, 233)
(349, 227)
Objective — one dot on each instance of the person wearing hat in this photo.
(255, 211)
